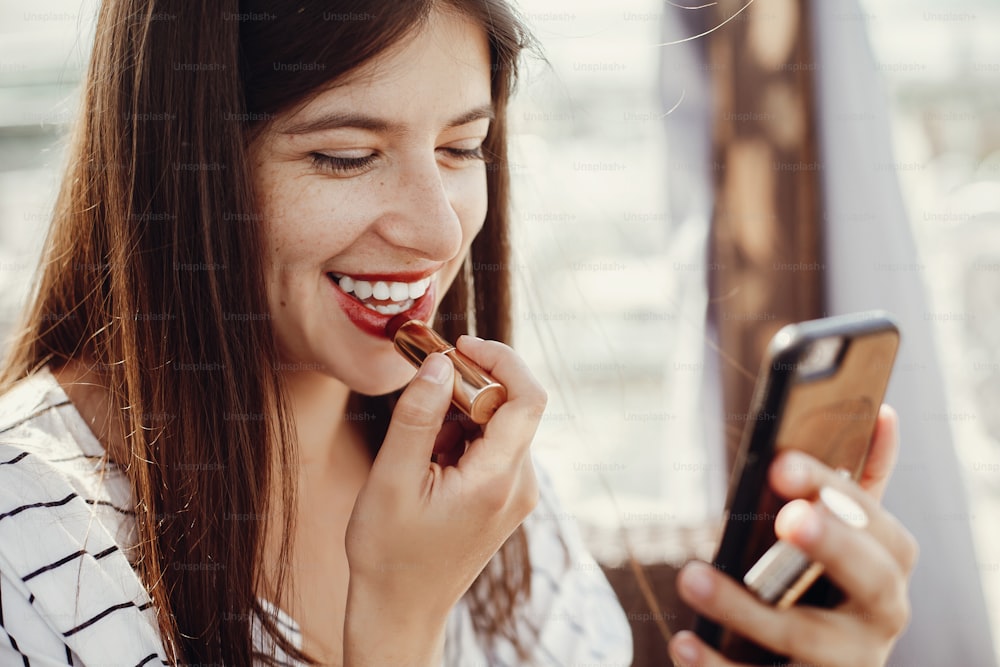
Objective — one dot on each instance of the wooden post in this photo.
(766, 263)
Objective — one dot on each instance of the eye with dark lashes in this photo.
(346, 165)
(466, 153)
(342, 165)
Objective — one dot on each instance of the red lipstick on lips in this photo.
(476, 392)
(373, 322)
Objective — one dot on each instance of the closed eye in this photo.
(466, 153)
(343, 165)
(357, 165)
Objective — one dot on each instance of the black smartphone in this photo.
(819, 390)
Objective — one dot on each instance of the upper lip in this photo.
(399, 276)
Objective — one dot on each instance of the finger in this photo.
(469, 428)
(416, 421)
(808, 635)
(871, 578)
(795, 474)
(449, 444)
(516, 420)
(801, 632)
(883, 454)
(687, 650)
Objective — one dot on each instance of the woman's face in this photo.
(371, 196)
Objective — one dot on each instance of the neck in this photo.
(326, 435)
(318, 404)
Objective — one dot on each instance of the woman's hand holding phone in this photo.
(870, 565)
(420, 532)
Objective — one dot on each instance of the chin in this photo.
(376, 383)
(371, 389)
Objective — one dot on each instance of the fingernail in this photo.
(697, 580)
(436, 368)
(684, 650)
(843, 507)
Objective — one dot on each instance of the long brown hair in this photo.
(154, 260)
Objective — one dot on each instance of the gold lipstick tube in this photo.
(476, 393)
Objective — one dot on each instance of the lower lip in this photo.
(373, 322)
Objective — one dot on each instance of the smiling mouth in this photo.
(383, 296)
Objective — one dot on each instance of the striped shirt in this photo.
(69, 594)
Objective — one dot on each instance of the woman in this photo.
(206, 458)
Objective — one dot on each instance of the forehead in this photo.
(442, 65)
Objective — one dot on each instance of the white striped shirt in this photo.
(69, 595)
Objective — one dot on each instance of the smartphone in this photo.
(819, 390)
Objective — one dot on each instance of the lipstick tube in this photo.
(476, 393)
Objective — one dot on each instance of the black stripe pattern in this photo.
(13, 642)
(31, 506)
(70, 595)
(110, 610)
(14, 460)
(34, 415)
(67, 559)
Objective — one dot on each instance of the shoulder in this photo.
(62, 555)
(47, 451)
(37, 418)
(30, 396)
(54, 484)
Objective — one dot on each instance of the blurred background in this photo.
(613, 255)
(611, 148)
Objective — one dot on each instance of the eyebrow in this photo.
(362, 121)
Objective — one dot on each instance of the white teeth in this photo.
(417, 289)
(402, 295)
(399, 291)
(391, 309)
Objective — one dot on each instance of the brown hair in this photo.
(154, 255)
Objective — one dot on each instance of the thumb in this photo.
(416, 419)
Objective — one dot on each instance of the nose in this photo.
(421, 216)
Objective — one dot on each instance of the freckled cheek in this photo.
(277, 209)
(305, 227)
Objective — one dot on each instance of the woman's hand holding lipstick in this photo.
(421, 532)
